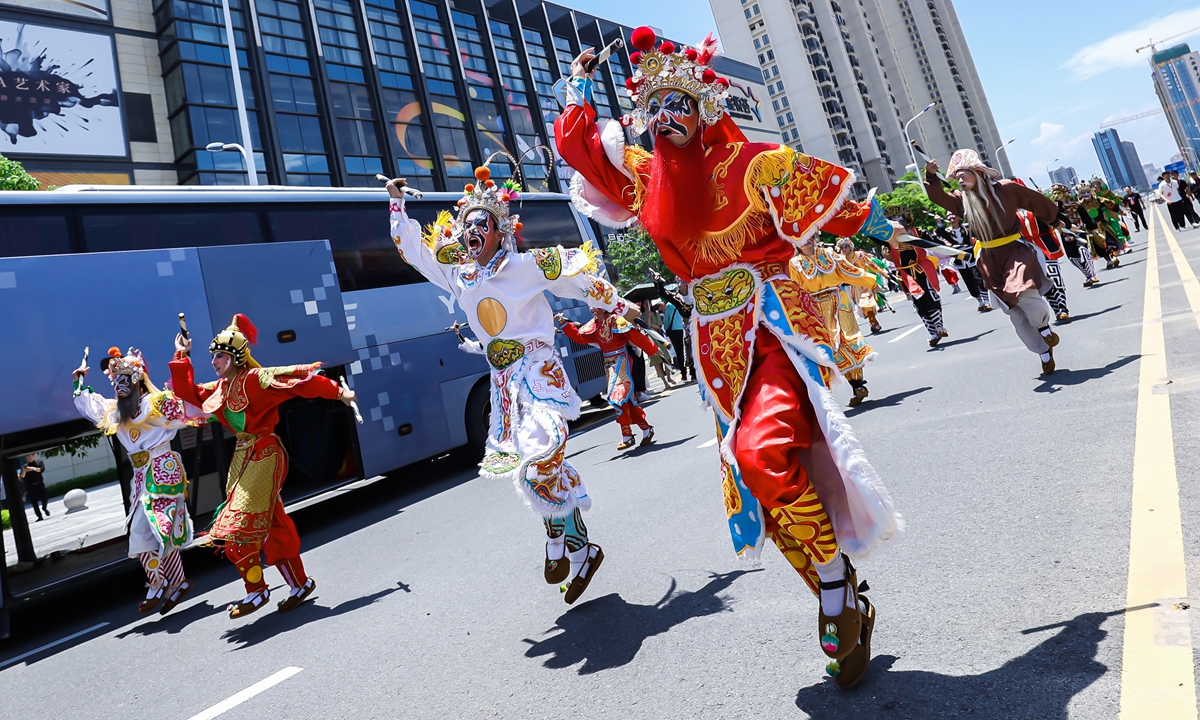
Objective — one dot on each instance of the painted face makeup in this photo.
(480, 234)
(673, 115)
(222, 363)
(123, 384)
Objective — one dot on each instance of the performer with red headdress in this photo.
(727, 216)
(252, 524)
(613, 335)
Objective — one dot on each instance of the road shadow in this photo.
(1037, 685)
(640, 450)
(1111, 282)
(962, 341)
(890, 401)
(580, 452)
(270, 622)
(174, 622)
(1131, 262)
(1067, 377)
(608, 632)
(1085, 316)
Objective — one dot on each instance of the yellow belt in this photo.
(988, 244)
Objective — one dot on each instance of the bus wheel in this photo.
(479, 407)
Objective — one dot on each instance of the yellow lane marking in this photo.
(1157, 675)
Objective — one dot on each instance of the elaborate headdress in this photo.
(1058, 191)
(967, 159)
(444, 235)
(236, 341)
(685, 69)
(131, 363)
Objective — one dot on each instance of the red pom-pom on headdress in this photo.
(114, 352)
(667, 48)
(643, 38)
(635, 58)
(247, 328)
(691, 54)
(708, 76)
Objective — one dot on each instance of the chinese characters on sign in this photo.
(58, 93)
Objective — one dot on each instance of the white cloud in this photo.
(1049, 130)
(1120, 51)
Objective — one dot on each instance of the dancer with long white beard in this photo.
(1010, 267)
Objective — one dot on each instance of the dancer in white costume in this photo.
(145, 420)
(474, 256)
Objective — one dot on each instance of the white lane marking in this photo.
(906, 333)
(710, 443)
(22, 656)
(237, 699)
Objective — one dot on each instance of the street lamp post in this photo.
(1004, 147)
(912, 152)
(1048, 170)
(246, 156)
(246, 147)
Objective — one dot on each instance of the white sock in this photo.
(1045, 357)
(1046, 332)
(577, 559)
(555, 547)
(832, 601)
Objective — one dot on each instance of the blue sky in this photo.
(1053, 70)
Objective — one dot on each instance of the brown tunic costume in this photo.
(1009, 269)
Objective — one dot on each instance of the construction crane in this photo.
(1151, 45)
(1139, 116)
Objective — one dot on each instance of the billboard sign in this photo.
(91, 9)
(58, 93)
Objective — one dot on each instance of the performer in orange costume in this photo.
(612, 333)
(252, 522)
(764, 357)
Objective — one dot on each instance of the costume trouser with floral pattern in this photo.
(777, 426)
(281, 549)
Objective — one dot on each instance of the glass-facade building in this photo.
(338, 91)
(1177, 82)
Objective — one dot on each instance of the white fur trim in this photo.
(612, 138)
(595, 205)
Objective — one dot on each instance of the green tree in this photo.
(14, 177)
(633, 252)
(910, 196)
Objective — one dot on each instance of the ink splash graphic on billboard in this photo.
(58, 93)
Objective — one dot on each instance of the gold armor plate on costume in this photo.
(140, 458)
(255, 485)
(827, 301)
(502, 353)
(730, 290)
(492, 316)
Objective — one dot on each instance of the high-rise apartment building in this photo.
(1064, 175)
(335, 91)
(1177, 82)
(846, 77)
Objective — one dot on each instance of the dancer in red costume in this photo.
(251, 523)
(763, 356)
(612, 334)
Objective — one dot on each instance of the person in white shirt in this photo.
(1168, 190)
(145, 420)
(474, 256)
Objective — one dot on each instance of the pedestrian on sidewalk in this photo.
(35, 485)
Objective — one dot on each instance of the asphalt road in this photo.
(1004, 598)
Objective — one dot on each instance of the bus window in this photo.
(26, 233)
(359, 236)
(152, 228)
(547, 224)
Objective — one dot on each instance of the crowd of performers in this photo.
(772, 315)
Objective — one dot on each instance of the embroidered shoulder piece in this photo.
(287, 376)
(439, 237)
(549, 261)
(804, 195)
(585, 259)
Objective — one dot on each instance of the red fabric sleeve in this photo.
(578, 142)
(318, 386)
(571, 330)
(183, 381)
(848, 219)
(638, 338)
